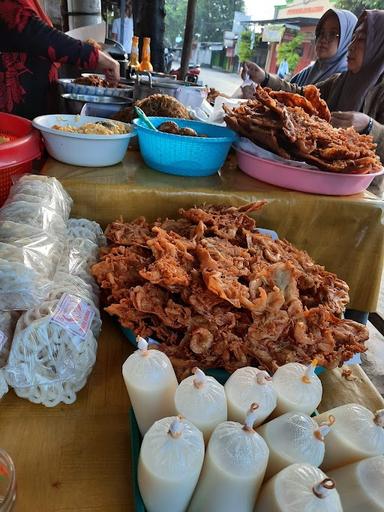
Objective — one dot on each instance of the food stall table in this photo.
(76, 458)
(345, 234)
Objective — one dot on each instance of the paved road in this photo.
(224, 82)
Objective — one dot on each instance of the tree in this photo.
(212, 18)
(288, 51)
(215, 16)
(175, 14)
(358, 6)
(245, 52)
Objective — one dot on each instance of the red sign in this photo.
(305, 10)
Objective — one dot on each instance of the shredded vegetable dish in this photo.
(98, 128)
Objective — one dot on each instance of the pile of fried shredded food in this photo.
(297, 127)
(217, 293)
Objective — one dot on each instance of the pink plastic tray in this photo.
(304, 180)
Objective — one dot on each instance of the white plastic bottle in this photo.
(298, 388)
(151, 384)
(233, 469)
(299, 488)
(245, 386)
(357, 434)
(360, 485)
(170, 461)
(294, 437)
(202, 401)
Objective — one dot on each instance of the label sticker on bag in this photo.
(3, 340)
(73, 314)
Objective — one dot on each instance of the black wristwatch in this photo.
(368, 129)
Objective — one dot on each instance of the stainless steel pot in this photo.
(75, 102)
(146, 85)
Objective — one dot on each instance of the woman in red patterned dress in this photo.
(31, 51)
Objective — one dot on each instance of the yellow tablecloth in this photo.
(346, 234)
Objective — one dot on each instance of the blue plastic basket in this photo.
(183, 155)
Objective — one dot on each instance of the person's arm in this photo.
(261, 77)
(22, 31)
(258, 75)
(377, 133)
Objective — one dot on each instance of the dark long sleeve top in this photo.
(30, 53)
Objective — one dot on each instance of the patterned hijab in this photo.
(323, 69)
(350, 90)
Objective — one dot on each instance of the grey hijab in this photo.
(350, 90)
(321, 70)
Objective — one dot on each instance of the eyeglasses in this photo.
(327, 36)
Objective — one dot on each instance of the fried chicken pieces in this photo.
(297, 128)
(216, 293)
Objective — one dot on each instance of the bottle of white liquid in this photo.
(233, 469)
(360, 485)
(245, 386)
(358, 434)
(298, 488)
(201, 400)
(170, 461)
(298, 388)
(294, 437)
(151, 384)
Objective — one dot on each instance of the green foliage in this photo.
(245, 52)
(288, 51)
(175, 13)
(215, 16)
(358, 6)
(212, 18)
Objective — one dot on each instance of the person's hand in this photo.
(255, 72)
(248, 91)
(345, 119)
(110, 67)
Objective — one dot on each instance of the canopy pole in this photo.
(188, 38)
(122, 21)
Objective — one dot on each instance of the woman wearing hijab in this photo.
(356, 97)
(31, 51)
(333, 35)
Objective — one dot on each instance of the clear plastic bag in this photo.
(41, 254)
(35, 215)
(12, 231)
(242, 456)
(50, 190)
(79, 256)
(21, 288)
(172, 452)
(67, 283)
(8, 321)
(3, 383)
(48, 363)
(246, 386)
(294, 489)
(84, 228)
(202, 401)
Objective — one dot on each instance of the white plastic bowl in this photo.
(87, 150)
